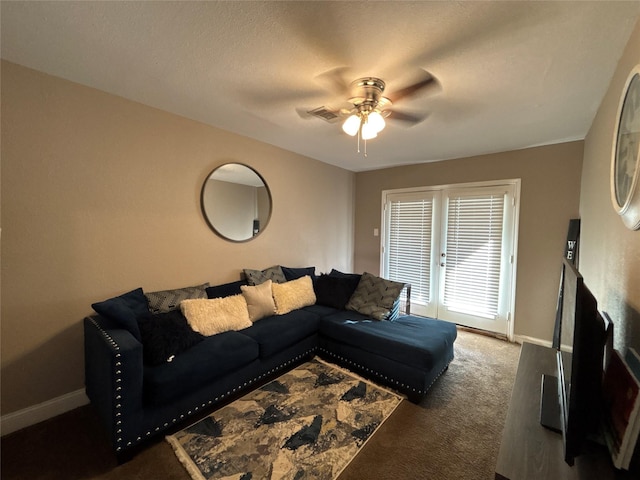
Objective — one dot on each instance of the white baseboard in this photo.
(537, 341)
(15, 421)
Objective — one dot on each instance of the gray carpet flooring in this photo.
(453, 434)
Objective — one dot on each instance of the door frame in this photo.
(516, 184)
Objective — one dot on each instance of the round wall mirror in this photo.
(236, 202)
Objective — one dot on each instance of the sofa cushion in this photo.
(256, 277)
(167, 300)
(214, 356)
(321, 310)
(374, 296)
(338, 273)
(347, 316)
(166, 335)
(416, 341)
(225, 289)
(125, 310)
(334, 291)
(293, 295)
(293, 273)
(216, 315)
(276, 333)
(354, 277)
(259, 300)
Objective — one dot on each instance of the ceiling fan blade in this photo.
(334, 80)
(427, 81)
(271, 98)
(410, 118)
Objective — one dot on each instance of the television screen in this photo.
(574, 407)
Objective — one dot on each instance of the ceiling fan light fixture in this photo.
(351, 125)
(365, 118)
(368, 131)
(376, 122)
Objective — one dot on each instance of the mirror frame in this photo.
(208, 220)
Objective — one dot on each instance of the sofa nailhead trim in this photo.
(339, 357)
(166, 425)
(118, 380)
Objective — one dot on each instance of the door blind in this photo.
(473, 253)
(409, 245)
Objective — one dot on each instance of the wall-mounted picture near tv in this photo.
(572, 401)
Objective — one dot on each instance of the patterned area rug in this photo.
(307, 424)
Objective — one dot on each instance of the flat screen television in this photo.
(572, 401)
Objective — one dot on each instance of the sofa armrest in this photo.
(113, 378)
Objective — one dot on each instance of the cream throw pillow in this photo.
(216, 315)
(259, 300)
(292, 295)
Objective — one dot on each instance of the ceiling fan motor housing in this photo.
(367, 94)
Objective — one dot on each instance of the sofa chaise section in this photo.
(408, 354)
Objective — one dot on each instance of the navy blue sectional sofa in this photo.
(137, 401)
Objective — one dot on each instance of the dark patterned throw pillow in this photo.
(166, 300)
(374, 296)
(256, 277)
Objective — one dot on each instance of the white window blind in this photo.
(409, 245)
(473, 253)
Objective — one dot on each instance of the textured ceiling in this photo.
(512, 74)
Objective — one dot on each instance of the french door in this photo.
(456, 246)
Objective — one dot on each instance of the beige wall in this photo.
(100, 195)
(611, 253)
(550, 195)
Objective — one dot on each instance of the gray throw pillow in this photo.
(374, 296)
(256, 277)
(167, 300)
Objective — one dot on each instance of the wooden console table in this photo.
(530, 451)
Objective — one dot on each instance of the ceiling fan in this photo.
(369, 108)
